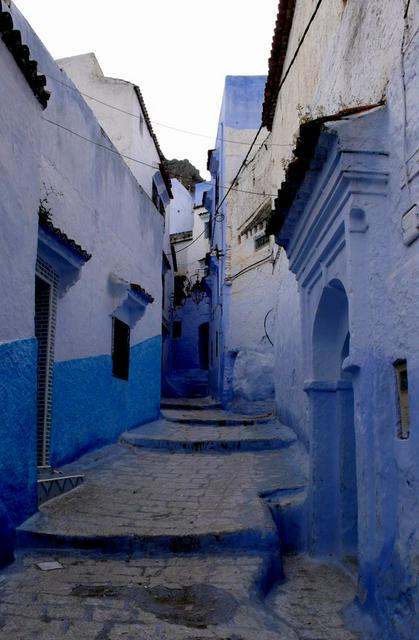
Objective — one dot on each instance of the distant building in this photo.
(341, 102)
(120, 109)
(81, 278)
(242, 255)
(189, 221)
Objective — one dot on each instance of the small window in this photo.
(177, 329)
(207, 231)
(260, 241)
(155, 195)
(400, 367)
(141, 125)
(120, 349)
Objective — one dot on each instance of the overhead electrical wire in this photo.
(243, 164)
(191, 243)
(291, 64)
(159, 124)
(123, 155)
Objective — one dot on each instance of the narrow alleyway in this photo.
(171, 538)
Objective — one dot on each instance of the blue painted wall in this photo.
(242, 102)
(241, 109)
(18, 429)
(91, 407)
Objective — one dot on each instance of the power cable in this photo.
(306, 30)
(191, 243)
(122, 155)
(99, 144)
(159, 124)
(233, 182)
(250, 266)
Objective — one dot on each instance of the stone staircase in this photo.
(184, 515)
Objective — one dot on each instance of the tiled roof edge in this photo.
(284, 20)
(60, 235)
(163, 170)
(12, 38)
(139, 291)
(295, 173)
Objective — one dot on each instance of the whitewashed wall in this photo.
(20, 121)
(130, 137)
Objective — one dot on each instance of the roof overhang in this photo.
(284, 20)
(351, 138)
(12, 38)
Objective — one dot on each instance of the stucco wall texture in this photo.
(239, 121)
(94, 199)
(357, 54)
(19, 165)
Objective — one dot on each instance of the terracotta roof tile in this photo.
(12, 38)
(279, 48)
(139, 291)
(64, 239)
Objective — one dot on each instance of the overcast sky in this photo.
(177, 51)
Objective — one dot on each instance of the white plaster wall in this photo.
(348, 58)
(123, 129)
(20, 137)
(361, 60)
(181, 214)
(250, 278)
(105, 210)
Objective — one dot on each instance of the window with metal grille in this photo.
(207, 230)
(120, 349)
(260, 241)
(177, 329)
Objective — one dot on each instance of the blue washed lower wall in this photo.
(91, 407)
(17, 432)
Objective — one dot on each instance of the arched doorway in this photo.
(334, 512)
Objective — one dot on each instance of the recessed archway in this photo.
(334, 485)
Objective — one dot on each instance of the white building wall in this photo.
(128, 131)
(98, 202)
(181, 209)
(20, 120)
(250, 275)
(347, 59)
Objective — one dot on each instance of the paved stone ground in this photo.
(100, 597)
(180, 546)
(134, 496)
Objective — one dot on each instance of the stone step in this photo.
(147, 500)
(170, 436)
(35, 533)
(218, 417)
(195, 404)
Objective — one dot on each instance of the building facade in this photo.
(81, 277)
(189, 220)
(242, 256)
(342, 94)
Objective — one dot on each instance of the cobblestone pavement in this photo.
(100, 597)
(180, 546)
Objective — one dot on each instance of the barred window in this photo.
(260, 241)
